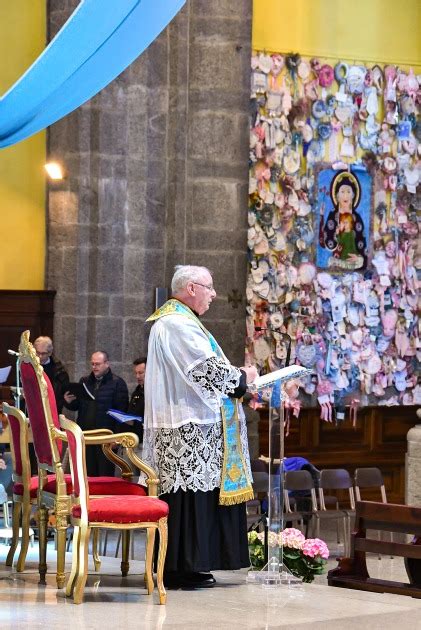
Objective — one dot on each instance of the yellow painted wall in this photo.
(386, 31)
(22, 181)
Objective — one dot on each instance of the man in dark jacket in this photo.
(137, 399)
(107, 391)
(53, 368)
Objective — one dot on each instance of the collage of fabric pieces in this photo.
(334, 212)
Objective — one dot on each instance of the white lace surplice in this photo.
(185, 385)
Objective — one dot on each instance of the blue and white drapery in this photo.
(98, 42)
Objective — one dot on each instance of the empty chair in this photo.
(260, 471)
(254, 514)
(90, 513)
(369, 478)
(299, 481)
(336, 479)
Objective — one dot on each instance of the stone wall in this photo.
(157, 174)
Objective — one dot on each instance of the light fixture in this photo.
(54, 170)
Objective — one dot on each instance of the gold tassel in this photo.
(240, 497)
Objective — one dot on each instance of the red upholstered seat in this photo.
(124, 509)
(97, 486)
(113, 485)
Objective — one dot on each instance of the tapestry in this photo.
(334, 205)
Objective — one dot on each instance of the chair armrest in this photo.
(107, 439)
(97, 432)
(126, 440)
(152, 480)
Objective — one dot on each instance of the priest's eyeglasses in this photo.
(209, 287)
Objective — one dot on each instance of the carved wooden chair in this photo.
(24, 487)
(53, 491)
(113, 512)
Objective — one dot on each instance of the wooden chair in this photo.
(352, 572)
(118, 512)
(23, 498)
(53, 490)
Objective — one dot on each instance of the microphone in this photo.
(16, 354)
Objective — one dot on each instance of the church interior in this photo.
(277, 144)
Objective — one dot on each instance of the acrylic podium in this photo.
(275, 574)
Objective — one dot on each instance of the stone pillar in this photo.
(157, 174)
(413, 467)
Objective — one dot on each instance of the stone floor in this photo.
(113, 602)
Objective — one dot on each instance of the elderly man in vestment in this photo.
(195, 436)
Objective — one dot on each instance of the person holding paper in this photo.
(107, 391)
(53, 368)
(195, 436)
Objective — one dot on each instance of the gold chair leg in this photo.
(82, 571)
(17, 506)
(125, 551)
(42, 533)
(75, 562)
(150, 543)
(162, 552)
(61, 554)
(26, 517)
(95, 552)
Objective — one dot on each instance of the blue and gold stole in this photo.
(235, 481)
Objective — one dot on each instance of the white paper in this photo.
(284, 374)
(4, 373)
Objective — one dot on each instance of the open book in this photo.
(120, 416)
(80, 391)
(284, 374)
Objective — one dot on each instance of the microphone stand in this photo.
(17, 394)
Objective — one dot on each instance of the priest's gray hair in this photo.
(184, 274)
(47, 340)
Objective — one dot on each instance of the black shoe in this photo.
(188, 581)
(199, 578)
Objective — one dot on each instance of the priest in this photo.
(195, 436)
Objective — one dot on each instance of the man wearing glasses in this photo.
(103, 390)
(53, 368)
(195, 436)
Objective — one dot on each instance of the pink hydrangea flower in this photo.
(313, 547)
(291, 537)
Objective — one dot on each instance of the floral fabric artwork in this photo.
(334, 207)
(305, 558)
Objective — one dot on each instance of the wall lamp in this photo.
(54, 170)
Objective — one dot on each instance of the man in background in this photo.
(105, 391)
(53, 368)
(137, 399)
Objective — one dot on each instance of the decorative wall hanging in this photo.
(344, 218)
(334, 205)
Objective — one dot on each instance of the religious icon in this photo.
(343, 231)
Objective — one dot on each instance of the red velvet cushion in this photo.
(33, 485)
(15, 432)
(97, 485)
(36, 414)
(124, 509)
(114, 485)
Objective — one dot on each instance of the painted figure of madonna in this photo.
(342, 231)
